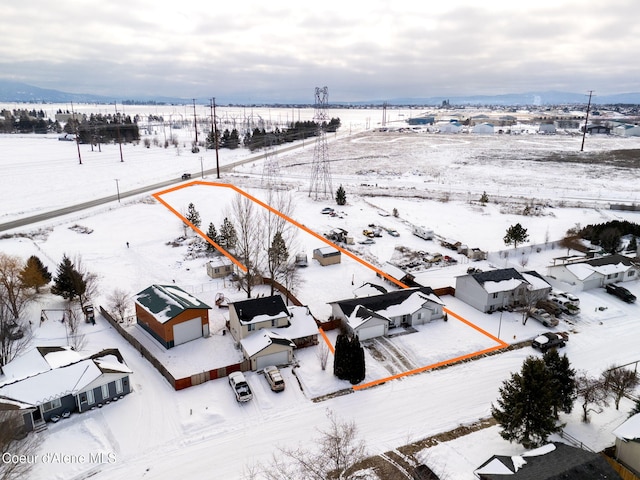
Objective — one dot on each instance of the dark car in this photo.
(186, 176)
(620, 292)
(548, 340)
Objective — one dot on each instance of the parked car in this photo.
(544, 317)
(186, 176)
(367, 241)
(240, 387)
(549, 340)
(274, 378)
(567, 306)
(567, 296)
(620, 292)
(327, 211)
(550, 307)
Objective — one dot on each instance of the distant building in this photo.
(483, 129)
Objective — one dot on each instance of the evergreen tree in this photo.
(348, 361)
(341, 196)
(526, 405)
(277, 257)
(341, 357)
(35, 274)
(227, 236)
(358, 369)
(633, 244)
(516, 234)
(212, 234)
(484, 198)
(68, 282)
(564, 380)
(193, 216)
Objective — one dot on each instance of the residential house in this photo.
(171, 315)
(547, 128)
(495, 289)
(327, 256)
(550, 462)
(628, 443)
(220, 267)
(370, 317)
(268, 331)
(627, 130)
(585, 274)
(597, 130)
(52, 382)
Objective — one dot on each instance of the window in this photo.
(90, 397)
(216, 270)
(119, 388)
(495, 295)
(52, 405)
(251, 327)
(105, 391)
(631, 273)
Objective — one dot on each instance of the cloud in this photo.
(283, 49)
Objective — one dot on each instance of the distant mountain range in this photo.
(20, 92)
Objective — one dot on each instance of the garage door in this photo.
(279, 358)
(186, 331)
(370, 332)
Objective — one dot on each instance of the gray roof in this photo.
(563, 463)
(250, 308)
(376, 303)
(497, 275)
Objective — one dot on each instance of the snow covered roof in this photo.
(38, 360)
(260, 309)
(368, 289)
(629, 430)
(58, 381)
(258, 341)
(535, 280)
(302, 324)
(392, 304)
(392, 270)
(220, 261)
(362, 315)
(503, 280)
(167, 301)
(581, 271)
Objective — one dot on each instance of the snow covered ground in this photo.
(432, 180)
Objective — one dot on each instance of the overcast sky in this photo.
(280, 50)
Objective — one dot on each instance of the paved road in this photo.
(112, 198)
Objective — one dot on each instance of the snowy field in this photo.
(431, 179)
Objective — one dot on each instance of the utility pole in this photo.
(117, 188)
(75, 129)
(586, 121)
(118, 129)
(215, 135)
(195, 120)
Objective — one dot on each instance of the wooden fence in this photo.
(176, 383)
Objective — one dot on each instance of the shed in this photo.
(628, 443)
(219, 267)
(327, 256)
(171, 315)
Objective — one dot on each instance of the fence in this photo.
(176, 383)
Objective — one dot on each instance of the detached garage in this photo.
(171, 315)
(367, 324)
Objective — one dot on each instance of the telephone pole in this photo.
(75, 125)
(214, 130)
(195, 120)
(586, 121)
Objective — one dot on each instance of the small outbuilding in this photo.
(219, 267)
(266, 348)
(628, 443)
(171, 315)
(327, 256)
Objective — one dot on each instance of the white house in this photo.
(219, 267)
(628, 443)
(372, 316)
(595, 272)
(627, 130)
(495, 289)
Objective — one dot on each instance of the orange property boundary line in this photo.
(500, 343)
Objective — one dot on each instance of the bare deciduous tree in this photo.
(619, 381)
(119, 304)
(323, 355)
(530, 298)
(14, 442)
(338, 452)
(13, 293)
(86, 278)
(276, 227)
(248, 245)
(14, 337)
(593, 392)
(76, 339)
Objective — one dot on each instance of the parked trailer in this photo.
(423, 232)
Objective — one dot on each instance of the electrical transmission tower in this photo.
(321, 173)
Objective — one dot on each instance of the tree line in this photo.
(100, 129)
(27, 121)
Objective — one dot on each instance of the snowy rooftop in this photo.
(629, 430)
(258, 341)
(167, 301)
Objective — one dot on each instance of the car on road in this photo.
(186, 176)
(240, 387)
(274, 378)
(548, 340)
(620, 292)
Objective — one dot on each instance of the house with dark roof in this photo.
(268, 331)
(495, 289)
(171, 315)
(585, 274)
(49, 383)
(554, 461)
(370, 317)
(628, 443)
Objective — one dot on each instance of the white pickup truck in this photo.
(240, 387)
